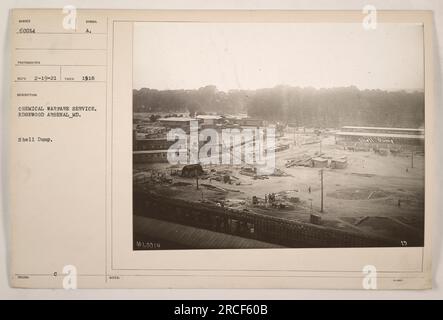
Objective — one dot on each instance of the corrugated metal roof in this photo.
(381, 135)
(209, 117)
(181, 119)
(384, 128)
(158, 151)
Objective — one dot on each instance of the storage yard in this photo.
(372, 195)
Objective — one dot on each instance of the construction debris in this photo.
(319, 162)
(279, 173)
(341, 163)
(248, 171)
(315, 219)
(192, 170)
(359, 221)
(216, 188)
(302, 161)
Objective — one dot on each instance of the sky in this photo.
(264, 55)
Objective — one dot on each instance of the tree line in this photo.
(332, 107)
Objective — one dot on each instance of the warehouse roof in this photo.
(381, 135)
(384, 128)
(182, 119)
(208, 117)
(157, 151)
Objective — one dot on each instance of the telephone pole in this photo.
(412, 159)
(321, 179)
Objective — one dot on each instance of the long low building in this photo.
(179, 122)
(209, 120)
(410, 131)
(152, 144)
(153, 156)
(150, 156)
(396, 139)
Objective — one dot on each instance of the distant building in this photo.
(150, 156)
(378, 138)
(153, 144)
(319, 163)
(249, 122)
(409, 131)
(209, 120)
(178, 123)
(244, 121)
(236, 116)
(153, 156)
(192, 170)
(339, 163)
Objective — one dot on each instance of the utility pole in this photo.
(321, 179)
(412, 159)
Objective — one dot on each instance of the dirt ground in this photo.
(375, 194)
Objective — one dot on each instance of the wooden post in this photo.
(321, 178)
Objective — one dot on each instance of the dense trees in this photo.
(205, 99)
(332, 107)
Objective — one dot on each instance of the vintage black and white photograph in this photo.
(277, 135)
